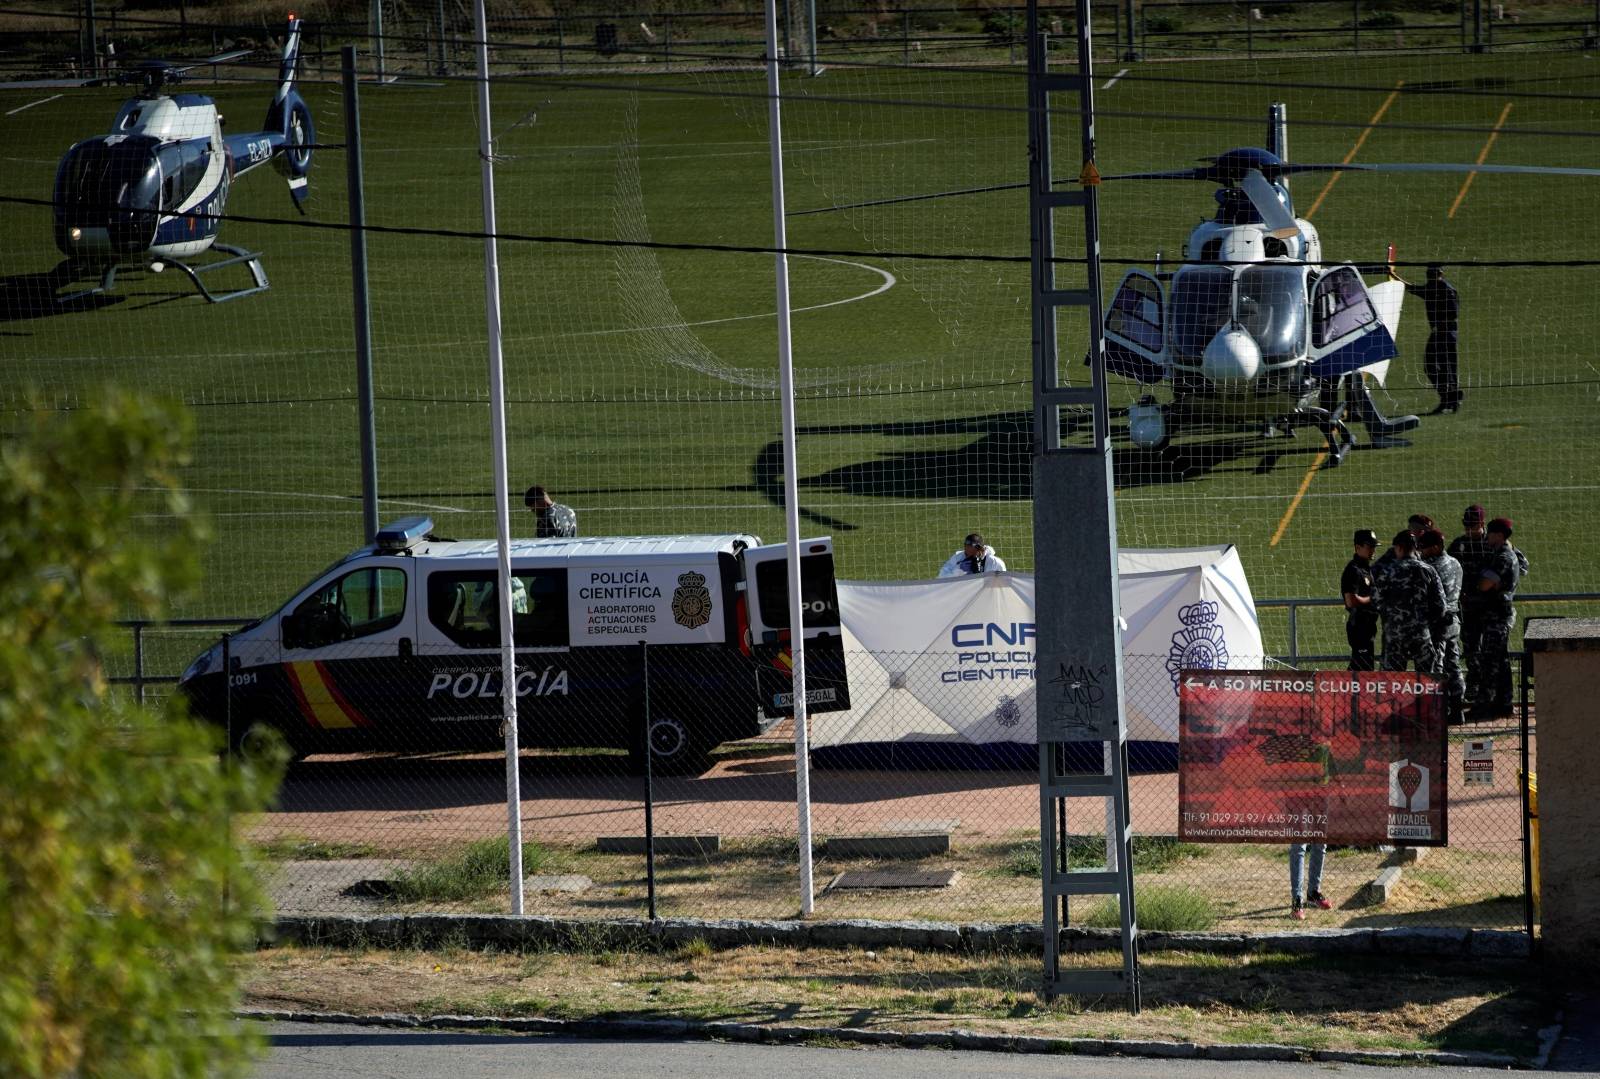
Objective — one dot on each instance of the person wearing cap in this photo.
(1361, 614)
(1471, 549)
(551, 519)
(1439, 360)
(1496, 587)
(975, 556)
(1411, 601)
(1416, 524)
(1447, 636)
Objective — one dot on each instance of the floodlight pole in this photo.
(791, 471)
(502, 492)
(363, 307)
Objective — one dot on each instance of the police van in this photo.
(397, 647)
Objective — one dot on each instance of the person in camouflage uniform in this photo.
(1447, 640)
(1411, 601)
(551, 519)
(1471, 549)
(1496, 587)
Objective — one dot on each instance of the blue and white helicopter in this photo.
(1253, 328)
(152, 192)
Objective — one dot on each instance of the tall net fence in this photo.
(635, 210)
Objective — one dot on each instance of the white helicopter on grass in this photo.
(151, 193)
(1253, 328)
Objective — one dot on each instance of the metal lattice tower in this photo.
(1075, 547)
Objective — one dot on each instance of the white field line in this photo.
(856, 506)
(31, 104)
(889, 281)
(1113, 80)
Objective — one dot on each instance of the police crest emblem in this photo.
(1007, 713)
(1200, 644)
(691, 602)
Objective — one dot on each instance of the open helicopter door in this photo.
(1347, 332)
(1135, 329)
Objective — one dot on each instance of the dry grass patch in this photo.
(1310, 1001)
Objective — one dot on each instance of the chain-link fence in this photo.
(396, 800)
(635, 203)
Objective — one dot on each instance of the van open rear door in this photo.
(767, 601)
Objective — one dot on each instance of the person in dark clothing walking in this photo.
(1361, 617)
(1439, 358)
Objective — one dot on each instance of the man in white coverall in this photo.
(975, 556)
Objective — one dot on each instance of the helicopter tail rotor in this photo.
(290, 117)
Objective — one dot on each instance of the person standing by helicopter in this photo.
(1443, 305)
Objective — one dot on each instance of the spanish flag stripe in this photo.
(322, 708)
(340, 699)
(300, 695)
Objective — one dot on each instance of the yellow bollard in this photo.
(1532, 780)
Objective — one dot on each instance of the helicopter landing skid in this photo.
(1340, 439)
(251, 260)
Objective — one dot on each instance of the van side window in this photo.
(817, 593)
(462, 606)
(361, 603)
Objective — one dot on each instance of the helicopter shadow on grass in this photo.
(996, 464)
(24, 297)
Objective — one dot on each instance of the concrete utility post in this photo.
(1565, 653)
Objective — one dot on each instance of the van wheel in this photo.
(262, 743)
(674, 749)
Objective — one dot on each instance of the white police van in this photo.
(396, 646)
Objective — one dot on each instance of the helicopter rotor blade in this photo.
(1199, 172)
(220, 58)
(1514, 170)
(1264, 197)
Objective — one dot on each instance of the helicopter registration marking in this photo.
(258, 150)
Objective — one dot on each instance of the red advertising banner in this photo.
(1351, 757)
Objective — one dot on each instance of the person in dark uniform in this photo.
(1439, 359)
(551, 519)
(1411, 601)
(1497, 587)
(1447, 635)
(1471, 549)
(1361, 617)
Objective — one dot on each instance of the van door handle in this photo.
(405, 646)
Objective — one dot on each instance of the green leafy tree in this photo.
(124, 902)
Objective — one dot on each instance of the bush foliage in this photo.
(125, 898)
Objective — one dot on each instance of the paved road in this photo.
(327, 1051)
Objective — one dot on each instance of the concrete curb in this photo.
(510, 931)
(931, 1039)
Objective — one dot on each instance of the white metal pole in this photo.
(791, 472)
(502, 495)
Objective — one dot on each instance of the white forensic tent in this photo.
(952, 660)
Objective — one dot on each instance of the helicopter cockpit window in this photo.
(1340, 305)
(1202, 304)
(1135, 313)
(1272, 307)
(183, 166)
(101, 177)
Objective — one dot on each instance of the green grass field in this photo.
(641, 382)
